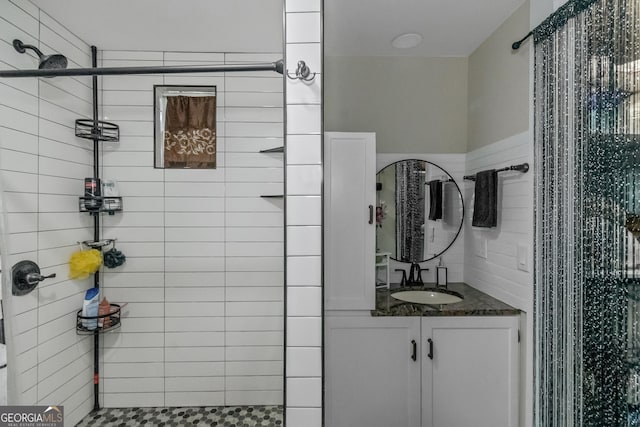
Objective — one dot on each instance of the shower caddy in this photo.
(97, 131)
(106, 322)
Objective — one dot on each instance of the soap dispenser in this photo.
(441, 275)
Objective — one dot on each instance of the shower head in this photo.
(47, 62)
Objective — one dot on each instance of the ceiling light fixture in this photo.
(407, 41)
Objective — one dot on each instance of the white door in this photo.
(371, 377)
(470, 371)
(349, 220)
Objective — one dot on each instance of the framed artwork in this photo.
(185, 127)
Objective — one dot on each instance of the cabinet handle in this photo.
(430, 355)
(370, 214)
(414, 347)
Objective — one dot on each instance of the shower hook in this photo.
(302, 73)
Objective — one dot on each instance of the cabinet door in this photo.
(349, 220)
(371, 379)
(472, 378)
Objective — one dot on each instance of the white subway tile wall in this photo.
(205, 253)
(42, 167)
(304, 216)
(30, 126)
(498, 274)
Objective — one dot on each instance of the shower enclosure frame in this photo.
(96, 71)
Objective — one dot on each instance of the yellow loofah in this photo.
(84, 263)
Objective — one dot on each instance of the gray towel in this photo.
(485, 206)
(451, 212)
(435, 200)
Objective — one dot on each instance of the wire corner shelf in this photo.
(98, 130)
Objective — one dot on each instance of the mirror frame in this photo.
(461, 201)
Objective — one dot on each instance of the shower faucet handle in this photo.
(34, 278)
(26, 276)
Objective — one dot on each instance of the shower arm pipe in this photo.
(277, 66)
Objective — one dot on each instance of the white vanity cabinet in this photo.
(467, 378)
(349, 220)
(470, 373)
(372, 380)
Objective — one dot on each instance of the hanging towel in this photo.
(485, 206)
(450, 206)
(435, 200)
(190, 132)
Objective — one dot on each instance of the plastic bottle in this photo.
(90, 308)
(104, 309)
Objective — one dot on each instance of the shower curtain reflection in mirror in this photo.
(410, 199)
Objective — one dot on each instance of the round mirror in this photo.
(419, 211)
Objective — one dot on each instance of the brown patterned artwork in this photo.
(190, 132)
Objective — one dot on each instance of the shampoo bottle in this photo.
(90, 308)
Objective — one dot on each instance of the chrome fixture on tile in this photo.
(47, 62)
(303, 72)
(26, 276)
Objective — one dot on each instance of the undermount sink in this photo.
(429, 296)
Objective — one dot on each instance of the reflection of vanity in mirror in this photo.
(419, 213)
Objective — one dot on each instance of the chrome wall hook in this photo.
(302, 73)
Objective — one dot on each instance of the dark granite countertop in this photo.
(475, 303)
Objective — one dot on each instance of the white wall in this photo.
(500, 134)
(42, 168)
(498, 84)
(304, 217)
(204, 272)
(541, 9)
(498, 273)
(413, 104)
(498, 79)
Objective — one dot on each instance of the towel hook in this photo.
(302, 73)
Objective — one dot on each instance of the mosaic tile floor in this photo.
(231, 416)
